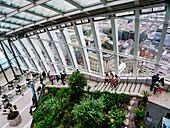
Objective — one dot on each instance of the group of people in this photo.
(52, 77)
(157, 84)
(113, 80)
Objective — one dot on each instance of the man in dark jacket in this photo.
(155, 78)
(62, 78)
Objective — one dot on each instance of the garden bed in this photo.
(75, 108)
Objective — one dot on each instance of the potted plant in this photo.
(13, 116)
(140, 114)
(145, 94)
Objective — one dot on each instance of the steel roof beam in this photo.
(75, 4)
(51, 8)
(22, 9)
(36, 14)
(22, 19)
(48, 7)
(12, 23)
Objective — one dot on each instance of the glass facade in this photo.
(126, 43)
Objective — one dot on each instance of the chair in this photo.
(10, 86)
(148, 120)
(3, 88)
(18, 91)
(23, 87)
(10, 96)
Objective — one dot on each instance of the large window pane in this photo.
(94, 66)
(88, 36)
(126, 36)
(106, 34)
(149, 42)
(145, 68)
(79, 58)
(125, 66)
(108, 62)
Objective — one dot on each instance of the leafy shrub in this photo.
(89, 113)
(140, 113)
(114, 118)
(122, 100)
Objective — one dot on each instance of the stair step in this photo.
(104, 87)
(120, 87)
(100, 86)
(97, 86)
(137, 88)
(132, 88)
(108, 86)
(128, 87)
(123, 87)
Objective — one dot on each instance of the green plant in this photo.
(145, 94)
(140, 113)
(77, 82)
(9, 110)
(89, 113)
(114, 118)
(122, 100)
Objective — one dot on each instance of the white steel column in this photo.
(115, 44)
(30, 53)
(161, 45)
(39, 53)
(96, 36)
(19, 48)
(48, 51)
(58, 49)
(70, 49)
(136, 42)
(79, 34)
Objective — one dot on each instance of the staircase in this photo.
(123, 87)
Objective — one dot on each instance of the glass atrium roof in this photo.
(90, 35)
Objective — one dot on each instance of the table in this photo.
(165, 121)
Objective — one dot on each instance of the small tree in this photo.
(77, 82)
(9, 110)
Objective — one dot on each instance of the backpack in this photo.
(154, 78)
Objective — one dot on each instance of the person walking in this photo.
(117, 80)
(161, 84)
(52, 79)
(62, 78)
(57, 78)
(155, 78)
(106, 78)
(157, 84)
(48, 74)
(111, 79)
(44, 75)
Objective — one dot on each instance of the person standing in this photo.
(62, 78)
(155, 78)
(44, 75)
(157, 84)
(111, 79)
(117, 79)
(52, 79)
(58, 78)
(161, 84)
(48, 74)
(106, 78)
